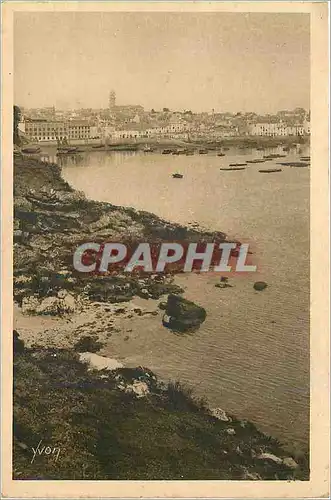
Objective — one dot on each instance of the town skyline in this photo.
(222, 61)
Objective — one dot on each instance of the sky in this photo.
(228, 62)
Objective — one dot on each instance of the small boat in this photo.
(300, 165)
(230, 169)
(181, 152)
(273, 156)
(294, 164)
(258, 160)
(175, 152)
(67, 151)
(220, 154)
(189, 153)
(31, 150)
(167, 151)
(270, 170)
(148, 149)
(203, 151)
(237, 165)
(177, 176)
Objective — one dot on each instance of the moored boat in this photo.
(67, 151)
(31, 150)
(237, 165)
(273, 156)
(270, 170)
(257, 160)
(148, 149)
(167, 151)
(203, 151)
(294, 164)
(177, 176)
(229, 169)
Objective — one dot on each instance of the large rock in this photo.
(111, 290)
(18, 344)
(290, 462)
(220, 414)
(183, 315)
(140, 389)
(260, 285)
(97, 362)
(270, 457)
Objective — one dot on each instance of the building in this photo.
(276, 129)
(169, 131)
(44, 130)
(79, 129)
(126, 134)
(306, 126)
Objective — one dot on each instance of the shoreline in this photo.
(51, 225)
(210, 144)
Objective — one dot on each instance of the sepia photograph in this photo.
(161, 245)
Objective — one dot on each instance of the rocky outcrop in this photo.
(97, 362)
(220, 414)
(183, 315)
(63, 303)
(140, 389)
(260, 285)
(51, 220)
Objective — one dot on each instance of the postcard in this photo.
(165, 271)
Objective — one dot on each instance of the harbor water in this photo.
(251, 355)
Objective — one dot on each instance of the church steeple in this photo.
(112, 99)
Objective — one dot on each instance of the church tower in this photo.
(112, 99)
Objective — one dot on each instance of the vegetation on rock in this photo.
(104, 432)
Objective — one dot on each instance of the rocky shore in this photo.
(139, 428)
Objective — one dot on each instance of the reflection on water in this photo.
(251, 356)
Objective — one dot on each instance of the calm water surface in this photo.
(251, 356)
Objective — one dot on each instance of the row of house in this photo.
(44, 130)
(82, 130)
(279, 129)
